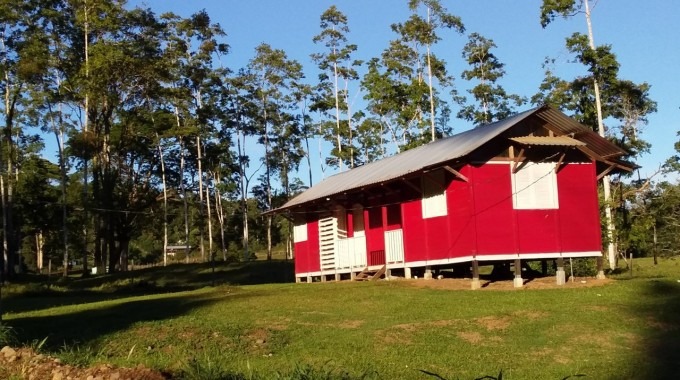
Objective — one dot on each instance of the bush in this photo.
(7, 336)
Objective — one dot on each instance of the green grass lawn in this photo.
(174, 319)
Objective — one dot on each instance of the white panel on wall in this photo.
(534, 186)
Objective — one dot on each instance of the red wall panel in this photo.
(537, 231)
(413, 231)
(579, 216)
(307, 252)
(461, 229)
(375, 231)
(493, 209)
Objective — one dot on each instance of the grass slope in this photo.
(174, 319)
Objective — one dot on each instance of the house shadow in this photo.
(86, 326)
(661, 339)
(157, 280)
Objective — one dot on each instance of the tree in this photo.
(493, 102)
(395, 84)
(603, 68)
(336, 64)
(273, 77)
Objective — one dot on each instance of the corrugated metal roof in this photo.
(565, 125)
(444, 150)
(548, 140)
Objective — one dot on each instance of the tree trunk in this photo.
(201, 210)
(429, 77)
(210, 239)
(186, 201)
(165, 203)
(39, 243)
(220, 216)
(606, 185)
(337, 111)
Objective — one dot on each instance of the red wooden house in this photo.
(524, 188)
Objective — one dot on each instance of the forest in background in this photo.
(156, 137)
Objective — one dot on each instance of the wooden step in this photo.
(371, 274)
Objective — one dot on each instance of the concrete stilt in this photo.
(337, 277)
(600, 271)
(298, 280)
(559, 273)
(323, 278)
(476, 284)
(428, 273)
(407, 272)
(352, 275)
(309, 278)
(518, 282)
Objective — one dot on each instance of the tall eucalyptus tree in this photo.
(274, 76)
(597, 96)
(493, 102)
(336, 64)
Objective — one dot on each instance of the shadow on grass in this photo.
(662, 340)
(42, 293)
(84, 327)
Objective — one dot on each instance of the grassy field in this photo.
(254, 321)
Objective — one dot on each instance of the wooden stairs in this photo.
(370, 275)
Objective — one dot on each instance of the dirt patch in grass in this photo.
(351, 324)
(493, 323)
(471, 337)
(658, 325)
(537, 283)
(26, 364)
(531, 315)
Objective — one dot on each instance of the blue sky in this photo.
(643, 35)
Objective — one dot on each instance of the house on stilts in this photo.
(524, 188)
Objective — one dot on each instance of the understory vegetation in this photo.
(248, 321)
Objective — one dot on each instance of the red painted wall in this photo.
(307, 252)
(494, 221)
(579, 215)
(481, 220)
(445, 236)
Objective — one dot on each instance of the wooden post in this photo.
(544, 267)
(654, 250)
(518, 282)
(475, 275)
(559, 274)
(630, 255)
(407, 272)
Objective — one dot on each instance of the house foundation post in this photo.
(298, 280)
(559, 273)
(352, 275)
(600, 270)
(323, 277)
(309, 279)
(475, 276)
(518, 282)
(428, 273)
(388, 274)
(337, 277)
(407, 272)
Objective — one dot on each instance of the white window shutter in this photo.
(434, 195)
(534, 186)
(300, 232)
